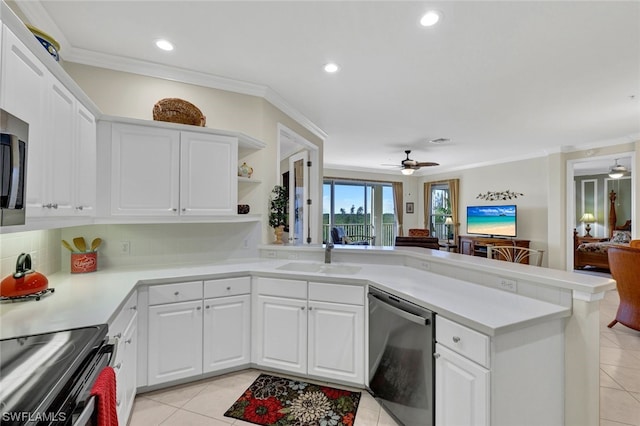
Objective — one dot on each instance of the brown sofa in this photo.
(426, 242)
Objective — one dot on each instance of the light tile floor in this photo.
(204, 402)
(619, 368)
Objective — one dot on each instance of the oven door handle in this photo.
(397, 311)
(86, 414)
(114, 344)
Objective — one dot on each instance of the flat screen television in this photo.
(496, 221)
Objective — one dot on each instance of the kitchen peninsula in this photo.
(462, 289)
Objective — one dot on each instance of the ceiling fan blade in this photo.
(426, 164)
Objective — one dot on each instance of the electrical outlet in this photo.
(125, 248)
(509, 285)
(245, 243)
(293, 256)
(425, 265)
(272, 254)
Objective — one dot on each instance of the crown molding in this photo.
(37, 14)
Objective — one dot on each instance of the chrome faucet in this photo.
(327, 252)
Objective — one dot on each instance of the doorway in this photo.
(588, 190)
(299, 171)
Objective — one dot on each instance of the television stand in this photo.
(477, 245)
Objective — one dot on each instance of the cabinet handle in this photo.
(118, 403)
(302, 307)
(117, 336)
(133, 308)
(207, 307)
(456, 339)
(128, 340)
(198, 308)
(118, 365)
(79, 207)
(311, 308)
(55, 206)
(176, 293)
(228, 288)
(184, 210)
(174, 210)
(436, 355)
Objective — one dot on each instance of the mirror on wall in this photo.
(300, 173)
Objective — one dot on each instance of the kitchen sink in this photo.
(321, 268)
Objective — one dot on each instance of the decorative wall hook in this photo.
(499, 195)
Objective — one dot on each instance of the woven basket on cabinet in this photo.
(177, 110)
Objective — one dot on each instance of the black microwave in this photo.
(13, 169)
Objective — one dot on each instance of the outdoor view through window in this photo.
(363, 211)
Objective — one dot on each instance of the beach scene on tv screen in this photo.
(492, 220)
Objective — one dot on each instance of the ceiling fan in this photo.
(408, 166)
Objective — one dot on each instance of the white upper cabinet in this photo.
(208, 182)
(161, 170)
(23, 86)
(62, 138)
(145, 171)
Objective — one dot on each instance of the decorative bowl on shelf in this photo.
(243, 208)
(175, 110)
(49, 43)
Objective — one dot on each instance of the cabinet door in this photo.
(462, 390)
(336, 341)
(145, 164)
(227, 332)
(22, 93)
(85, 176)
(208, 169)
(127, 371)
(175, 341)
(280, 334)
(61, 154)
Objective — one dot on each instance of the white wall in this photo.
(526, 176)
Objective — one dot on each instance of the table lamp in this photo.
(588, 219)
(449, 221)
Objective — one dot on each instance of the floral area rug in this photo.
(277, 401)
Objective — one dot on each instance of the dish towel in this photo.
(104, 389)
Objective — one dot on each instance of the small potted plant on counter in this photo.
(278, 215)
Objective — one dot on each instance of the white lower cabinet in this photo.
(462, 390)
(480, 380)
(310, 328)
(194, 328)
(281, 333)
(227, 332)
(124, 330)
(175, 341)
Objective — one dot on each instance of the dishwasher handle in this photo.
(401, 313)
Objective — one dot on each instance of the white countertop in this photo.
(94, 298)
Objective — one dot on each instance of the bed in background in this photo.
(592, 252)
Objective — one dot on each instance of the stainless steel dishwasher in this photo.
(401, 367)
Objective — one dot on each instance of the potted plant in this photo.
(278, 211)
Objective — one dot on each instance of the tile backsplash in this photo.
(164, 244)
(44, 247)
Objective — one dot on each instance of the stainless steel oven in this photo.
(46, 379)
(401, 364)
(13, 169)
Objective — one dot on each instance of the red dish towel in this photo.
(104, 389)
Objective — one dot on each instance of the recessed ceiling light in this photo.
(430, 18)
(164, 45)
(331, 67)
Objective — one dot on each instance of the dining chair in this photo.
(515, 254)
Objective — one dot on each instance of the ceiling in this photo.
(502, 80)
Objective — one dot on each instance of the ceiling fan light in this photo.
(407, 171)
(617, 171)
